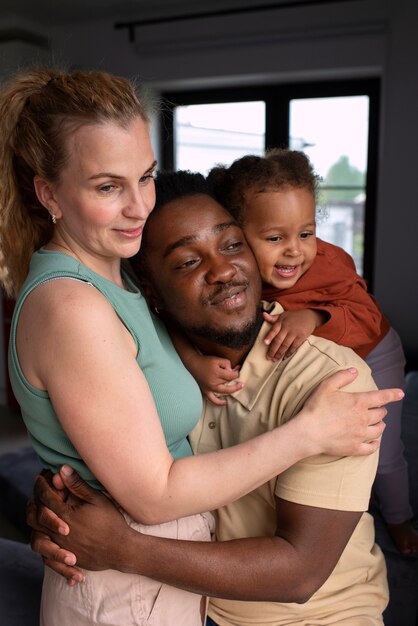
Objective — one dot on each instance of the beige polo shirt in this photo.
(356, 592)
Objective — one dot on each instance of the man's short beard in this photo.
(230, 337)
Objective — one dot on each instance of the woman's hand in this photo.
(342, 423)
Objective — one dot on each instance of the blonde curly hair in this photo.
(39, 108)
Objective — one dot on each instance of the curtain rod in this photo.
(219, 13)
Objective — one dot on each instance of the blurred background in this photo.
(335, 78)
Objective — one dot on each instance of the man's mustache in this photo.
(226, 289)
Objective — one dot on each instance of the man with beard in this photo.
(300, 548)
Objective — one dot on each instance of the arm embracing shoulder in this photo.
(286, 567)
(105, 406)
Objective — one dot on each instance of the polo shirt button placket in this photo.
(212, 425)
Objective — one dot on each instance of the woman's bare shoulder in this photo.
(65, 297)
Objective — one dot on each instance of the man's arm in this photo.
(288, 567)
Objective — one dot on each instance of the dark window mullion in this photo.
(277, 121)
(370, 209)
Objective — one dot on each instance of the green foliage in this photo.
(342, 174)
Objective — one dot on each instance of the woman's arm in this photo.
(85, 358)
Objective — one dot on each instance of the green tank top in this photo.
(175, 392)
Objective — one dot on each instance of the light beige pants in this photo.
(111, 598)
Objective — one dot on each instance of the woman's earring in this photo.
(54, 219)
(156, 310)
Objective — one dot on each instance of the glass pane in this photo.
(333, 132)
(207, 134)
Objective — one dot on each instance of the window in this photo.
(206, 134)
(334, 123)
(333, 132)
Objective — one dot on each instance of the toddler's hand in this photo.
(290, 329)
(216, 379)
(404, 536)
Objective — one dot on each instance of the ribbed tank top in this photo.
(175, 392)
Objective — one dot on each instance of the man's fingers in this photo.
(40, 517)
(31, 514)
(76, 485)
(57, 482)
(47, 496)
(54, 480)
(72, 574)
(42, 543)
(43, 484)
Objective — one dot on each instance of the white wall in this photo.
(348, 39)
(396, 258)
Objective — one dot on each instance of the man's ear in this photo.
(149, 292)
(46, 196)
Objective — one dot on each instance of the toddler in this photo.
(273, 198)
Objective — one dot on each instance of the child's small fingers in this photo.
(272, 334)
(230, 388)
(215, 399)
(289, 353)
(278, 348)
(295, 345)
(276, 356)
(270, 318)
(224, 364)
(228, 375)
(269, 338)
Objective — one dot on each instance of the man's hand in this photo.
(78, 525)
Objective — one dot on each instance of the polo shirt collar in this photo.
(257, 369)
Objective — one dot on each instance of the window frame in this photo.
(277, 98)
